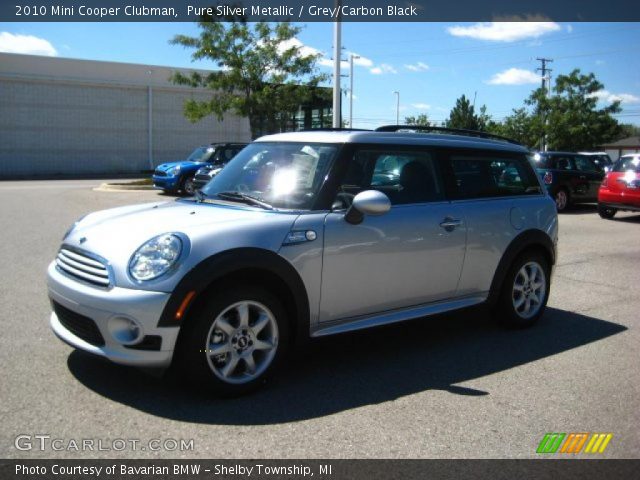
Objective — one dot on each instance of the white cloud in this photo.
(600, 62)
(504, 31)
(421, 106)
(360, 61)
(607, 96)
(303, 50)
(29, 44)
(383, 68)
(569, 28)
(514, 76)
(417, 67)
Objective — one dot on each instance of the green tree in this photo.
(463, 115)
(422, 120)
(573, 120)
(518, 126)
(263, 74)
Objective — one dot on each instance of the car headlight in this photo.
(155, 257)
(174, 170)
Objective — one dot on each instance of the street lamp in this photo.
(351, 58)
(397, 94)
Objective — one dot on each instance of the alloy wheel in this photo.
(242, 342)
(529, 290)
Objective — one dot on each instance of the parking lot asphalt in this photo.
(455, 386)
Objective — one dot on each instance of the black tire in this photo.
(506, 311)
(562, 199)
(607, 212)
(187, 187)
(204, 370)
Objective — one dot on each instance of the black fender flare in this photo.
(523, 241)
(223, 264)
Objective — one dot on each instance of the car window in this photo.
(285, 175)
(563, 162)
(585, 164)
(484, 176)
(627, 163)
(404, 176)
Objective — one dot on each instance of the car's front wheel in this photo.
(188, 187)
(235, 341)
(525, 291)
(606, 212)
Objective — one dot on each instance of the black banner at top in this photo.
(318, 10)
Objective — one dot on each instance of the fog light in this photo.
(124, 330)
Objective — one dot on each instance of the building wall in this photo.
(61, 116)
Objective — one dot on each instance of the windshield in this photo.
(201, 154)
(627, 163)
(283, 175)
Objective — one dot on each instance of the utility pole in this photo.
(543, 69)
(351, 58)
(337, 50)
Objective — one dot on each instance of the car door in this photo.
(590, 174)
(409, 256)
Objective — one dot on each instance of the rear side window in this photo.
(486, 176)
(585, 164)
(404, 176)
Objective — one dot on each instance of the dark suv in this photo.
(569, 177)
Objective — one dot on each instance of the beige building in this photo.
(622, 147)
(80, 117)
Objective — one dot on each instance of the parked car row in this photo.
(185, 176)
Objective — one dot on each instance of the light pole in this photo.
(337, 50)
(397, 94)
(351, 58)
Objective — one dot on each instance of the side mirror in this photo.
(369, 202)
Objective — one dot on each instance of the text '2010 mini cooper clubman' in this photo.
(307, 234)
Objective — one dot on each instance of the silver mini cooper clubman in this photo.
(303, 235)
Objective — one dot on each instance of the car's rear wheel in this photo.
(525, 291)
(234, 342)
(606, 212)
(562, 200)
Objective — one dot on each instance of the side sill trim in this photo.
(394, 316)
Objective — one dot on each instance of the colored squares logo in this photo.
(574, 443)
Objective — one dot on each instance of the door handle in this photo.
(583, 177)
(449, 224)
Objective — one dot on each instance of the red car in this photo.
(620, 189)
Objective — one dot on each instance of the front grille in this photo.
(160, 173)
(83, 267)
(81, 326)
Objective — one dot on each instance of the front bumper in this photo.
(100, 305)
(165, 183)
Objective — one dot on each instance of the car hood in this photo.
(181, 163)
(118, 232)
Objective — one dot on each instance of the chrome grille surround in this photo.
(84, 266)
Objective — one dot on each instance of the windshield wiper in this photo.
(242, 197)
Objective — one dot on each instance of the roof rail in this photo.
(455, 131)
(336, 129)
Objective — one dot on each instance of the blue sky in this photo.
(430, 64)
